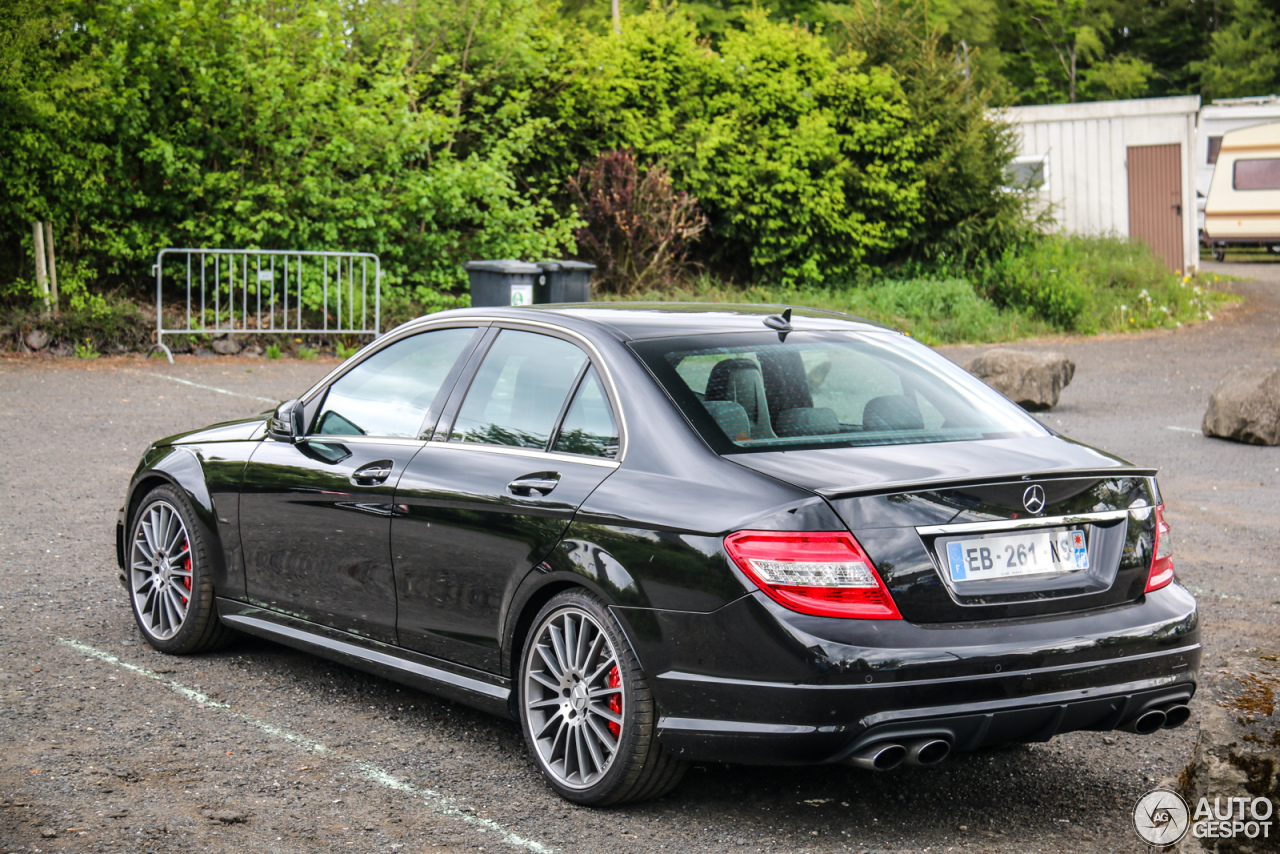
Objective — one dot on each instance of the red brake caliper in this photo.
(615, 700)
(186, 565)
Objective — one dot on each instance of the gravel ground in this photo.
(111, 746)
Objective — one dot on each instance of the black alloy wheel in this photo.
(586, 709)
(168, 577)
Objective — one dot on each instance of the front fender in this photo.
(181, 467)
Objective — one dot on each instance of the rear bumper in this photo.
(819, 689)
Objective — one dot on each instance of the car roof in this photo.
(638, 320)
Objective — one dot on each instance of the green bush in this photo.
(1045, 276)
(1087, 284)
(804, 162)
(307, 125)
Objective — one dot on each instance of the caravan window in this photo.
(1215, 145)
(1257, 174)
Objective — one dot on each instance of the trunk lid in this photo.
(1065, 527)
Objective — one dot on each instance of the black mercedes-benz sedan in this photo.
(655, 533)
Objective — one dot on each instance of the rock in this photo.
(227, 816)
(203, 352)
(48, 833)
(1246, 407)
(1034, 381)
(227, 346)
(254, 349)
(1238, 752)
(37, 339)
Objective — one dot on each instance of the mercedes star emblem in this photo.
(1033, 498)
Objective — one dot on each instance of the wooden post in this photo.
(42, 281)
(53, 267)
(617, 17)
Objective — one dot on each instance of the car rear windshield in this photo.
(755, 392)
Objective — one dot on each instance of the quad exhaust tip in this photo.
(1176, 715)
(928, 751)
(879, 757)
(1146, 723)
(887, 755)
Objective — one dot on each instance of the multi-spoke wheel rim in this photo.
(573, 698)
(160, 570)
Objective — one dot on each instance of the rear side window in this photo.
(520, 390)
(822, 389)
(390, 393)
(1256, 174)
(589, 427)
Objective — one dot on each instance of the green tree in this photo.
(963, 152)
(1244, 56)
(1055, 39)
(803, 161)
(390, 128)
(1118, 77)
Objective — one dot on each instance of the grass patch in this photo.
(937, 311)
(1051, 285)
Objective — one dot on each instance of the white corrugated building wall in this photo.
(1116, 167)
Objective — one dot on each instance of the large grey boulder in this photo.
(37, 339)
(226, 346)
(1032, 380)
(1237, 754)
(1246, 407)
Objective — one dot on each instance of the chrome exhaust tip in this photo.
(1145, 723)
(1176, 715)
(928, 751)
(879, 757)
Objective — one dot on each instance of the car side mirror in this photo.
(286, 424)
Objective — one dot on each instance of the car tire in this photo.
(167, 575)
(586, 709)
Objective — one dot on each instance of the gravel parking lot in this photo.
(110, 746)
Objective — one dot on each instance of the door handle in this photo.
(372, 474)
(539, 483)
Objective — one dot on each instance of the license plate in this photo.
(1009, 555)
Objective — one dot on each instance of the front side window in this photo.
(520, 390)
(1257, 174)
(753, 392)
(390, 393)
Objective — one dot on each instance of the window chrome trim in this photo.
(1019, 524)
(531, 453)
(345, 439)
(427, 324)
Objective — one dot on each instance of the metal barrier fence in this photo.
(246, 290)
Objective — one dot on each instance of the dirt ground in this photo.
(110, 746)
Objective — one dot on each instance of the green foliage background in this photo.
(822, 139)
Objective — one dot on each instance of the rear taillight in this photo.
(1162, 557)
(826, 574)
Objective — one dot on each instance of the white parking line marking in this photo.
(200, 385)
(440, 803)
(1183, 429)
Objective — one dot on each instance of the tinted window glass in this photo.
(519, 391)
(588, 426)
(1257, 174)
(1215, 146)
(754, 392)
(389, 393)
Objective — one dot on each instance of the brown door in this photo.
(1155, 200)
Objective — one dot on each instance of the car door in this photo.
(315, 514)
(521, 446)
